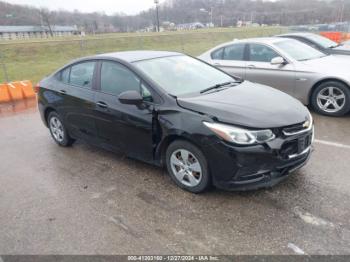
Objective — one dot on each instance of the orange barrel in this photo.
(4, 93)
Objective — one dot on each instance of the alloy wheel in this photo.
(331, 99)
(186, 167)
(56, 128)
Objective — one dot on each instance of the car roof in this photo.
(133, 56)
(296, 34)
(263, 40)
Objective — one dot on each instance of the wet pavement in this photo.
(84, 200)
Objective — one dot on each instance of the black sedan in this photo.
(321, 43)
(173, 110)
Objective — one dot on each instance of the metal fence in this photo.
(33, 59)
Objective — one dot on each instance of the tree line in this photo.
(221, 12)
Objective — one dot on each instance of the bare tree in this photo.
(45, 19)
(227, 13)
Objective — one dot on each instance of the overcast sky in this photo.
(108, 6)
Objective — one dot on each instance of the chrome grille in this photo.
(297, 129)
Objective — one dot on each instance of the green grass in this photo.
(33, 59)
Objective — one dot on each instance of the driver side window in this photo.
(261, 53)
(116, 79)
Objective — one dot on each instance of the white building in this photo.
(25, 32)
(190, 26)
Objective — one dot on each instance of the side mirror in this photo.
(278, 61)
(130, 98)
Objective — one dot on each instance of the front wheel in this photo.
(187, 166)
(331, 98)
(58, 130)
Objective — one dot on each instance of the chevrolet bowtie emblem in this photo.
(306, 124)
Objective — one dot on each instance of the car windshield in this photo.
(298, 50)
(322, 41)
(181, 75)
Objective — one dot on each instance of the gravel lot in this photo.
(84, 200)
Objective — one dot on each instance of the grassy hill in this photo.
(33, 59)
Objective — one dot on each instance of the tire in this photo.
(58, 130)
(187, 166)
(328, 94)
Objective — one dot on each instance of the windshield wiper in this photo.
(335, 46)
(219, 86)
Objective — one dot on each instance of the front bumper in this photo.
(259, 166)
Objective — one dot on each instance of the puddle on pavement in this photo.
(18, 107)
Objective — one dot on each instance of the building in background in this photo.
(25, 32)
(190, 26)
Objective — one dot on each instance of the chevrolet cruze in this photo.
(204, 125)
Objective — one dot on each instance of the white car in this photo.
(293, 67)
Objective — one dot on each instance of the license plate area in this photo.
(296, 146)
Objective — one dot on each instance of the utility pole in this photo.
(342, 11)
(157, 13)
(208, 12)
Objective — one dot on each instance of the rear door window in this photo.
(234, 52)
(82, 74)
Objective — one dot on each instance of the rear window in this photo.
(218, 54)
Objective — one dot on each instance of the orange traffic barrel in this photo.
(4, 93)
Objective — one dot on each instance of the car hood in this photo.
(250, 105)
(342, 49)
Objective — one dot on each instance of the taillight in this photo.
(36, 88)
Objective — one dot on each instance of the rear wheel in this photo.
(58, 130)
(331, 98)
(187, 166)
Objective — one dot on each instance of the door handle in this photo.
(217, 64)
(102, 105)
(251, 66)
(63, 92)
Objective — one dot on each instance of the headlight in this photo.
(313, 127)
(240, 136)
